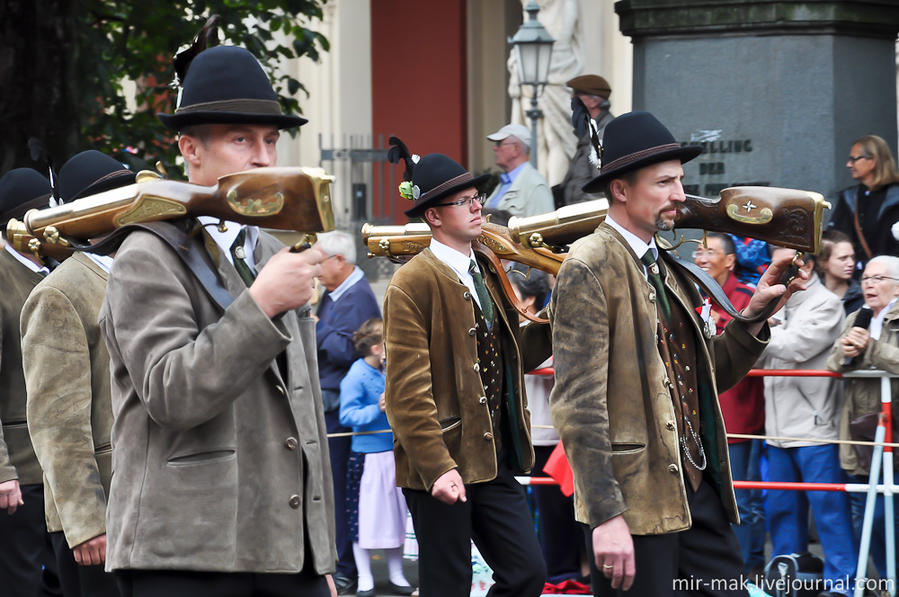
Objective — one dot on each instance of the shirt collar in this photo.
(459, 262)
(354, 277)
(876, 326)
(104, 261)
(636, 243)
(514, 172)
(38, 269)
(224, 240)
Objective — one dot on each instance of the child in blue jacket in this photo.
(376, 508)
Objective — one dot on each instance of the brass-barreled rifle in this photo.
(784, 217)
(297, 199)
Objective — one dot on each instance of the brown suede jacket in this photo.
(611, 403)
(435, 398)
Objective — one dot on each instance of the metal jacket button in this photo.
(290, 443)
(476, 367)
(294, 501)
(281, 390)
(488, 436)
(672, 468)
(483, 399)
(669, 425)
(466, 296)
(652, 297)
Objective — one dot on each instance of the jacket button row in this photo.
(672, 468)
(472, 331)
(483, 399)
(669, 425)
(488, 436)
(290, 443)
(294, 501)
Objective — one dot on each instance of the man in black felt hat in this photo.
(222, 484)
(635, 401)
(66, 368)
(24, 543)
(454, 396)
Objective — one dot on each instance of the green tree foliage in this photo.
(64, 65)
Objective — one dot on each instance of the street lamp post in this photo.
(533, 47)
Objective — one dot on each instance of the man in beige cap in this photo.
(593, 91)
(522, 190)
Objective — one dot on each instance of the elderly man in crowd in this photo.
(522, 190)
(347, 302)
(743, 406)
(875, 345)
(807, 407)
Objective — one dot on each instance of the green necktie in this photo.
(655, 278)
(483, 295)
(238, 254)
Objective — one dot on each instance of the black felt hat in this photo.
(91, 172)
(437, 176)
(633, 141)
(22, 189)
(225, 85)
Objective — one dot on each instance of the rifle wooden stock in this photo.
(400, 243)
(784, 217)
(281, 198)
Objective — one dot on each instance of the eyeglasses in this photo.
(481, 199)
(700, 253)
(855, 158)
(876, 279)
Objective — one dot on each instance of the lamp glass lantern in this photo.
(533, 47)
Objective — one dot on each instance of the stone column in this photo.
(776, 91)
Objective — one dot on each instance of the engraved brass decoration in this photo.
(256, 207)
(150, 208)
(764, 215)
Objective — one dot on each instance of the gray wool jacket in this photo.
(220, 453)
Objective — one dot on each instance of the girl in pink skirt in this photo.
(376, 509)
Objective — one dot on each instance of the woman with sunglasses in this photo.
(867, 212)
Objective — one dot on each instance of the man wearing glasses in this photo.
(522, 190)
(454, 396)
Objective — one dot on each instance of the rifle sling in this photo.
(197, 261)
(714, 291)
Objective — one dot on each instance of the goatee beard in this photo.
(664, 225)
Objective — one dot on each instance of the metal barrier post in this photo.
(861, 571)
(889, 526)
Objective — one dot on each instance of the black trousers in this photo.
(27, 566)
(560, 534)
(77, 580)
(181, 583)
(339, 448)
(496, 516)
(703, 560)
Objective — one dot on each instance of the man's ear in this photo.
(618, 189)
(730, 261)
(190, 148)
(431, 216)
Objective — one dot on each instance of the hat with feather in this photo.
(224, 85)
(428, 179)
